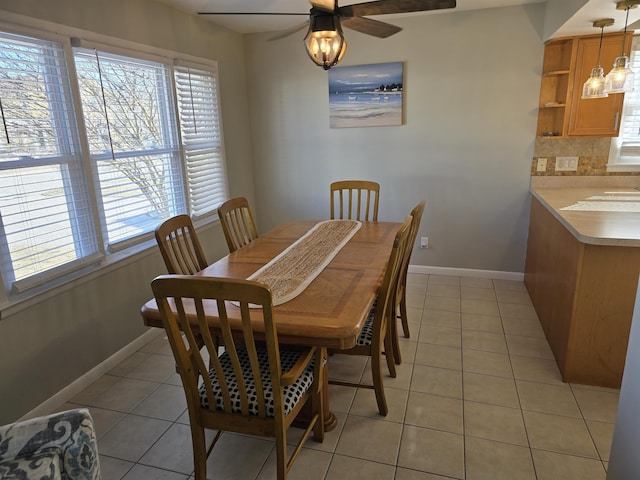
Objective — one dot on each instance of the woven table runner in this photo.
(294, 269)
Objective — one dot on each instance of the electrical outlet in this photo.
(542, 165)
(424, 242)
(566, 164)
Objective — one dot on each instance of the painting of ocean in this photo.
(366, 95)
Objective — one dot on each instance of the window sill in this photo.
(110, 263)
(623, 167)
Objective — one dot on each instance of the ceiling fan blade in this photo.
(324, 5)
(289, 31)
(253, 13)
(369, 26)
(383, 7)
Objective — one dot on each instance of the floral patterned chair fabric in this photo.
(58, 446)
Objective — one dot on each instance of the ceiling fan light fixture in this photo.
(325, 41)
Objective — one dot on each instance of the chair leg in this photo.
(403, 316)
(395, 342)
(317, 401)
(389, 355)
(199, 452)
(376, 374)
(281, 451)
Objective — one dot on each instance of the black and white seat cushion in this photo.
(366, 334)
(292, 393)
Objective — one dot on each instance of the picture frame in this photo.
(366, 95)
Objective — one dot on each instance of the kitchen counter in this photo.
(582, 271)
(617, 228)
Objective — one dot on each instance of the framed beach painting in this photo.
(366, 95)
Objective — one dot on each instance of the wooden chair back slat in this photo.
(386, 294)
(192, 359)
(180, 246)
(237, 222)
(360, 197)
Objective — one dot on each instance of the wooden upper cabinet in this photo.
(567, 65)
(598, 116)
(556, 87)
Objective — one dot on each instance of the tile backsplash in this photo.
(592, 153)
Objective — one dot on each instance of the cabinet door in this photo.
(598, 116)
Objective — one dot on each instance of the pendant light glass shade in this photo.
(594, 86)
(620, 78)
(325, 42)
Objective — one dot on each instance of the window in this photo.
(625, 149)
(132, 134)
(45, 215)
(80, 180)
(201, 138)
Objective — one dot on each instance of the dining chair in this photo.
(179, 246)
(374, 339)
(400, 308)
(355, 198)
(237, 223)
(254, 385)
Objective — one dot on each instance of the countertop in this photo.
(612, 228)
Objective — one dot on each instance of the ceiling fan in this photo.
(325, 42)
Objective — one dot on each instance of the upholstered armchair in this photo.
(58, 446)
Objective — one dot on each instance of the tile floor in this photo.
(478, 396)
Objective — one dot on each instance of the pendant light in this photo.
(594, 86)
(325, 42)
(620, 78)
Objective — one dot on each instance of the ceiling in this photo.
(579, 24)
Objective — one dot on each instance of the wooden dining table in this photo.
(332, 309)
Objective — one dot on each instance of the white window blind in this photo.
(197, 94)
(98, 145)
(132, 133)
(45, 214)
(626, 147)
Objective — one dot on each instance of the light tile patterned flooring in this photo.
(478, 396)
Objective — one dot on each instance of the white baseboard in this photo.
(74, 388)
(467, 272)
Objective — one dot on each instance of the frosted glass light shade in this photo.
(620, 78)
(325, 42)
(594, 86)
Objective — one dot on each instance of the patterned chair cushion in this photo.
(292, 393)
(43, 466)
(59, 446)
(366, 334)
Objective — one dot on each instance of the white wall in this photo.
(472, 83)
(50, 344)
(558, 12)
(466, 147)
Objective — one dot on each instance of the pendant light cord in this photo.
(600, 47)
(4, 122)
(104, 103)
(624, 38)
